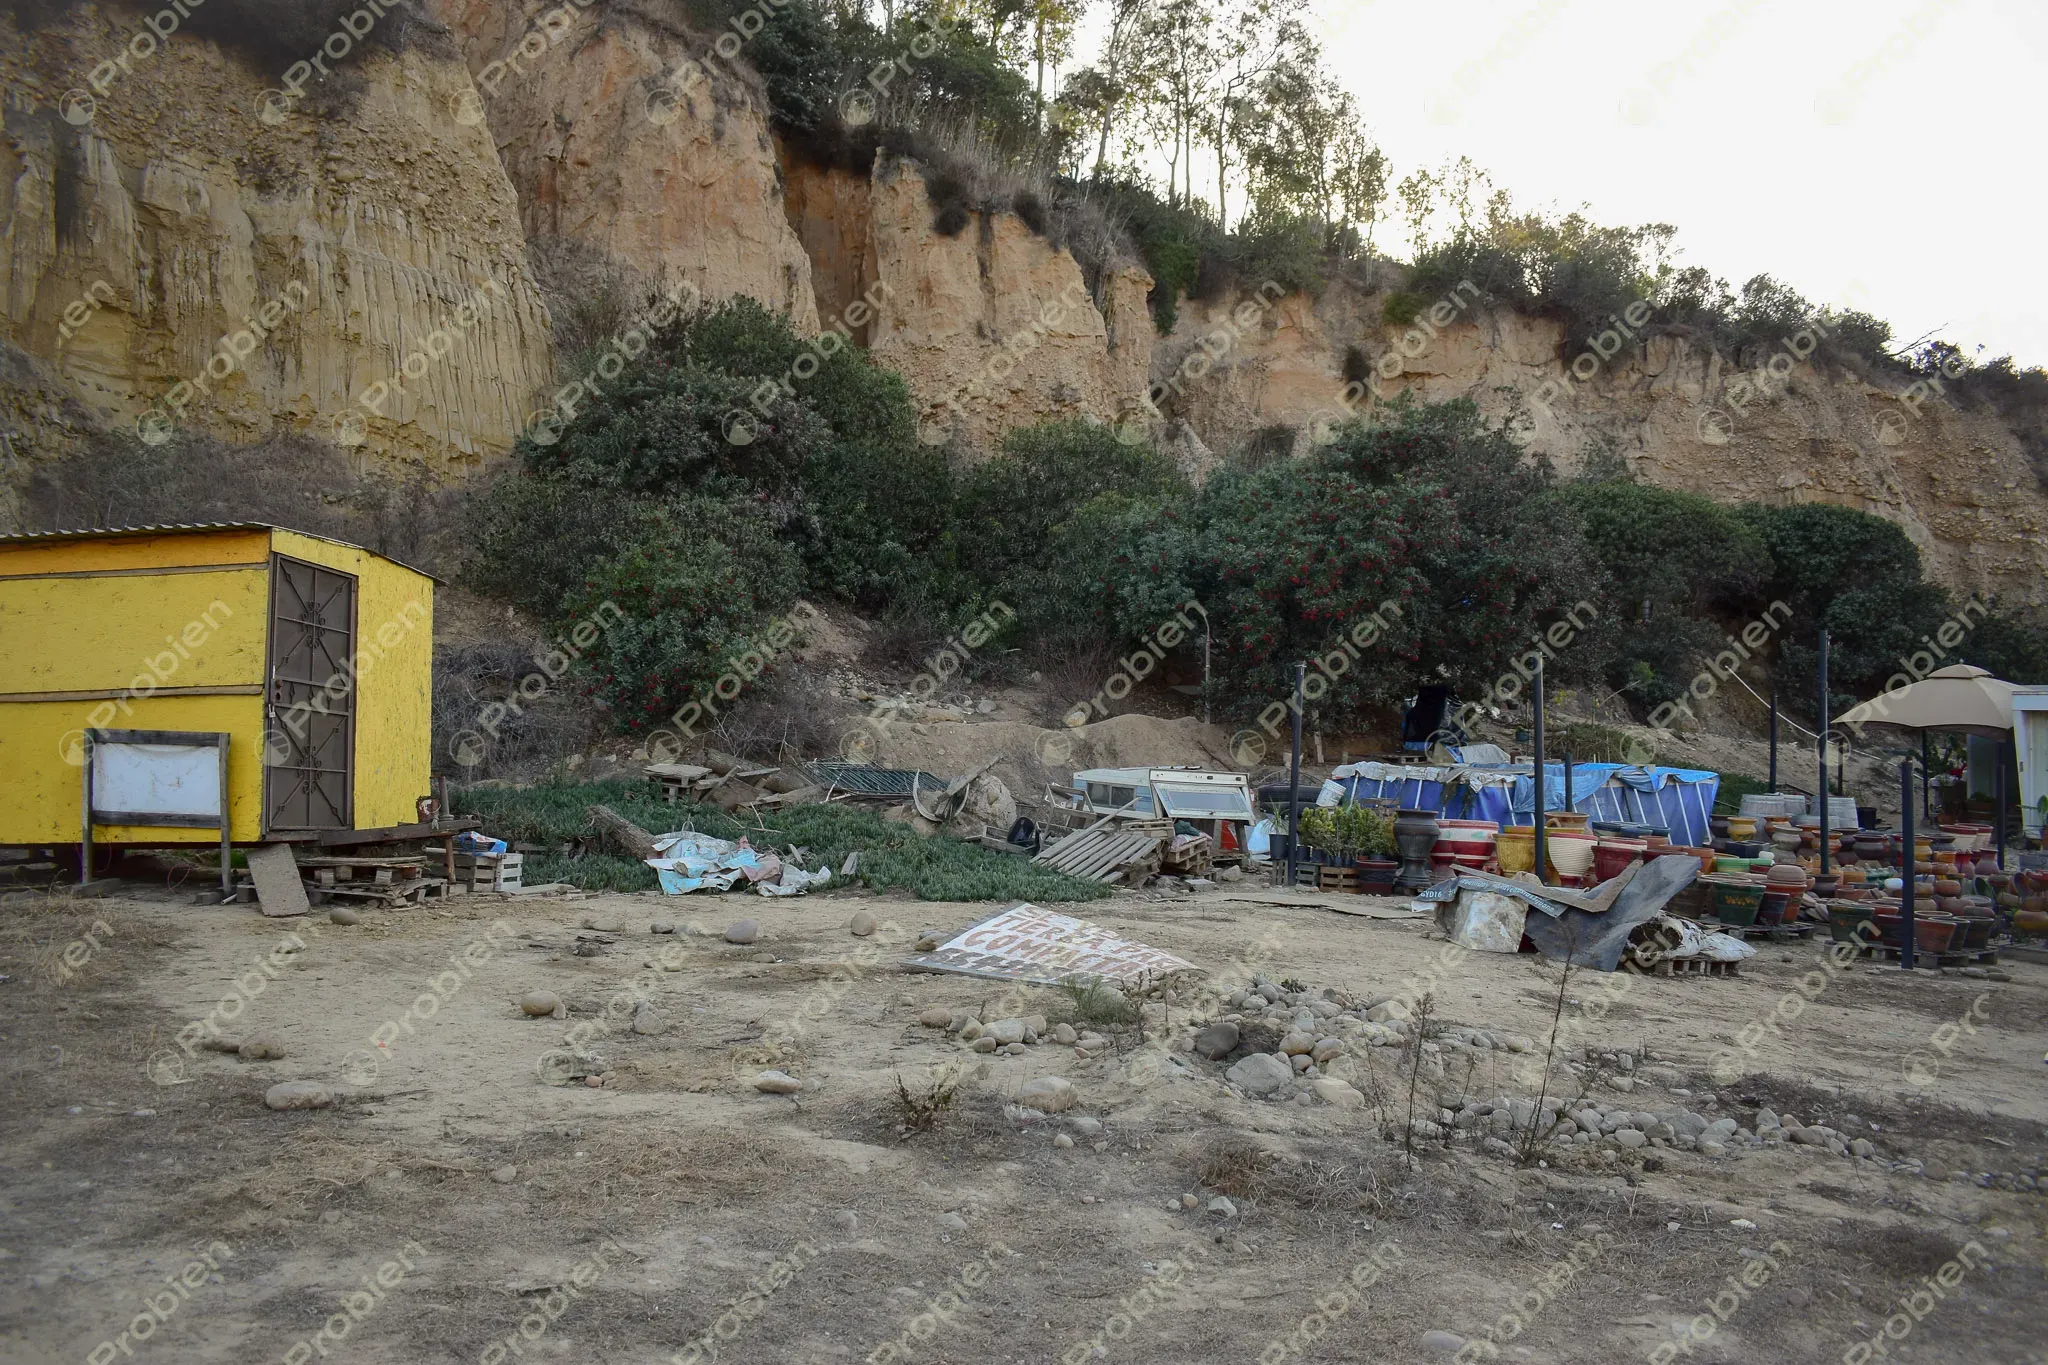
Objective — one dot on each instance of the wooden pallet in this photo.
(1680, 966)
(1775, 933)
(1982, 957)
(1103, 855)
(1193, 859)
(1337, 879)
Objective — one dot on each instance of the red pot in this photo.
(1612, 856)
(1934, 934)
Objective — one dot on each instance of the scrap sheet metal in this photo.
(1025, 943)
(1597, 940)
(864, 779)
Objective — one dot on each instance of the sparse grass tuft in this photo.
(1096, 1002)
(1234, 1167)
(917, 1113)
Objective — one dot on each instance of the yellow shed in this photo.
(314, 657)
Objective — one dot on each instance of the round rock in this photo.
(298, 1095)
(1052, 1094)
(1217, 1041)
(862, 925)
(746, 931)
(262, 1047)
(539, 1004)
(341, 914)
(1439, 1342)
(777, 1083)
(505, 1175)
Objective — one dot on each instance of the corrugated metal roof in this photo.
(102, 532)
(865, 779)
(186, 527)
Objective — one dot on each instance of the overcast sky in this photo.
(1878, 154)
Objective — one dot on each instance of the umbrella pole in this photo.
(1906, 881)
(1774, 730)
(1821, 801)
(1926, 772)
(1999, 800)
(1542, 842)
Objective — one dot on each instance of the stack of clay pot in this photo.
(1570, 845)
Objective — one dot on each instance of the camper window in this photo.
(1206, 803)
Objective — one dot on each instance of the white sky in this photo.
(1914, 191)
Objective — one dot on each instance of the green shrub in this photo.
(1401, 309)
(1010, 506)
(682, 602)
(1667, 547)
(893, 856)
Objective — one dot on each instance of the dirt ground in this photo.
(677, 1213)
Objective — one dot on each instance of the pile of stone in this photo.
(1318, 1029)
(1011, 1037)
(1499, 1123)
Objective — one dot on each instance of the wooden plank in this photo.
(636, 841)
(333, 861)
(278, 886)
(1045, 856)
(391, 834)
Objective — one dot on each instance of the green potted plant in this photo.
(1318, 833)
(1373, 840)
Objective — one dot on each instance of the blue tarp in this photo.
(1678, 800)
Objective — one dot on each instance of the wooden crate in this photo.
(1337, 878)
(501, 872)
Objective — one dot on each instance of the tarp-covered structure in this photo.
(1678, 800)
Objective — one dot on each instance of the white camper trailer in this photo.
(1216, 804)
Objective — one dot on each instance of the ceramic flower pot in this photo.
(1571, 854)
(1737, 904)
(1516, 849)
(1415, 835)
(1376, 875)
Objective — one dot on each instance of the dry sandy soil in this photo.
(642, 1212)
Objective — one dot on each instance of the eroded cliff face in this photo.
(278, 266)
(992, 327)
(365, 278)
(1959, 482)
(619, 138)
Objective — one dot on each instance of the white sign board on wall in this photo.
(161, 779)
(156, 779)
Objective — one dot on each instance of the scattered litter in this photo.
(689, 862)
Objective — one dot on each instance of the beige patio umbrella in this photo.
(1961, 699)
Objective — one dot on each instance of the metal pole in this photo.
(1774, 731)
(1294, 781)
(1998, 822)
(1822, 731)
(1542, 842)
(1926, 777)
(1566, 759)
(1906, 896)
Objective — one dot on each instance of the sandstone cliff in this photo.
(1958, 481)
(993, 327)
(620, 138)
(144, 240)
(184, 222)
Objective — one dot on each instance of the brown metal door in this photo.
(309, 753)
